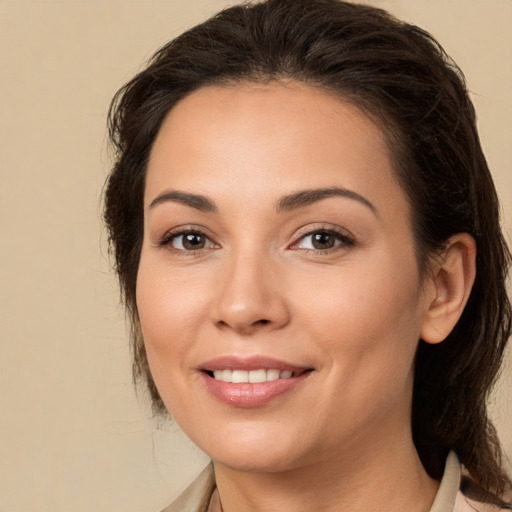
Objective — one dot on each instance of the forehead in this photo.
(253, 141)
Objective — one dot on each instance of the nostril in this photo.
(245, 328)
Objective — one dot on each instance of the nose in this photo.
(251, 296)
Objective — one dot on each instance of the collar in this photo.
(197, 496)
(447, 493)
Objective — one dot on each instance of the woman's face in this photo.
(278, 250)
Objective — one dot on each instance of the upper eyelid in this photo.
(187, 228)
(308, 230)
(167, 242)
(299, 234)
(346, 241)
(176, 236)
(168, 236)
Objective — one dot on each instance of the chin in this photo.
(255, 449)
(256, 460)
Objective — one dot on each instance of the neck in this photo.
(385, 475)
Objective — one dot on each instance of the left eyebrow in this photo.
(304, 198)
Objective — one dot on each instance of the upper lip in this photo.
(250, 363)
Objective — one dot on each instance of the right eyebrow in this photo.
(196, 201)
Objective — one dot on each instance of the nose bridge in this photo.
(249, 296)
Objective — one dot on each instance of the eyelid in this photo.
(345, 237)
(166, 239)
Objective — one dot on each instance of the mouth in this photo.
(251, 382)
(254, 376)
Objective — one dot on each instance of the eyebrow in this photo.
(196, 201)
(304, 198)
(285, 204)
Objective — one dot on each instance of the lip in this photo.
(250, 363)
(248, 395)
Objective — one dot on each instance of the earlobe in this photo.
(452, 277)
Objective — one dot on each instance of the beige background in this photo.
(73, 436)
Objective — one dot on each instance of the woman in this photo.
(307, 238)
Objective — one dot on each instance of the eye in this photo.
(187, 241)
(323, 240)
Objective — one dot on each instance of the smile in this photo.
(254, 376)
(251, 382)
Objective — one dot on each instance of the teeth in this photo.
(240, 376)
(272, 374)
(253, 376)
(258, 376)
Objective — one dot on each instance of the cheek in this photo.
(170, 303)
(164, 319)
(170, 309)
(369, 323)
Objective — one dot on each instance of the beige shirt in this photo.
(201, 495)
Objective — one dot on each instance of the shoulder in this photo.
(459, 493)
(471, 498)
(196, 497)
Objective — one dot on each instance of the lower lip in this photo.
(248, 394)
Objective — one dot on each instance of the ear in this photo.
(449, 286)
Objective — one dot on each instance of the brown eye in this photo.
(323, 240)
(190, 241)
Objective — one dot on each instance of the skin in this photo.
(353, 313)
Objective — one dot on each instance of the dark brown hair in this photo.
(402, 79)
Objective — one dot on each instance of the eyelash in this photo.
(169, 237)
(342, 240)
